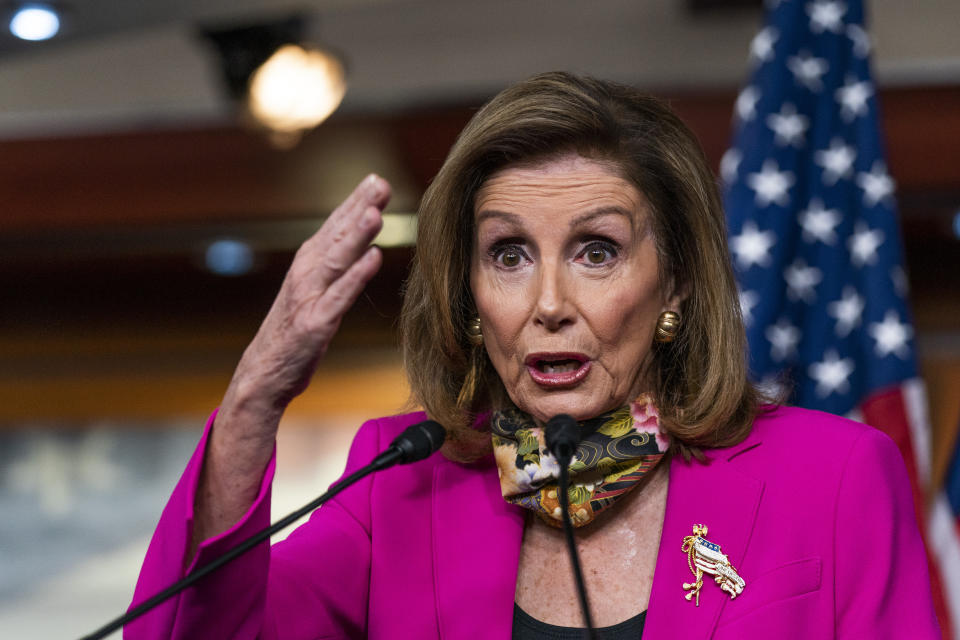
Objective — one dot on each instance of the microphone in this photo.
(417, 442)
(561, 437)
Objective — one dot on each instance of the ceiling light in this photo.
(296, 89)
(398, 230)
(285, 87)
(229, 257)
(35, 22)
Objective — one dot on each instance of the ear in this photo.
(674, 295)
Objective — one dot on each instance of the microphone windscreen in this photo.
(562, 435)
(419, 441)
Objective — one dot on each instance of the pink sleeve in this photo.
(883, 587)
(312, 585)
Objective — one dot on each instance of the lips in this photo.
(557, 370)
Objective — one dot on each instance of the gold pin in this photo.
(703, 557)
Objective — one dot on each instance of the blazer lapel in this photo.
(476, 538)
(724, 499)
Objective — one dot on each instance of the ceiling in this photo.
(140, 63)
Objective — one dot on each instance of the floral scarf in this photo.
(616, 450)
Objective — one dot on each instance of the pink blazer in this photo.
(813, 510)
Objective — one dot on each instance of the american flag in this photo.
(814, 237)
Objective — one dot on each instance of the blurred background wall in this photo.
(123, 163)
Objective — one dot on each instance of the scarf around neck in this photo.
(616, 451)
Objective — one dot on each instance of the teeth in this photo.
(560, 368)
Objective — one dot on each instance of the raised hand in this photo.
(326, 276)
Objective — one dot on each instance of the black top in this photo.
(526, 627)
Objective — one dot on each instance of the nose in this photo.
(554, 305)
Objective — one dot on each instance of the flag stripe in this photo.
(944, 538)
(915, 394)
(886, 410)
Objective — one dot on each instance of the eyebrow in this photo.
(603, 211)
(581, 219)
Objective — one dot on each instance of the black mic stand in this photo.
(562, 435)
(415, 443)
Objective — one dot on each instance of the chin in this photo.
(577, 404)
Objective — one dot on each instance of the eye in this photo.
(508, 255)
(596, 255)
(599, 253)
(510, 258)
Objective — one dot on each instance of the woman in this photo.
(571, 259)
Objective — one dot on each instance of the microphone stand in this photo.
(235, 552)
(401, 451)
(562, 435)
(564, 497)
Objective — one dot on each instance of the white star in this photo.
(771, 184)
(819, 223)
(730, 164)
(802, 280)
(747, 103)
(761, 47)
(853, 97)
(807, 70)
(831, 374)
(748, 300)
(847, 311)
(863, 244)
(826, 15)
(752, 246)
(891, 335)
(861, 40)
(784, 338)
(877, 185)
(837, 161)
(788, 126)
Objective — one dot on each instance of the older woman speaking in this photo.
(571, 259)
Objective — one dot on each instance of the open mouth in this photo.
(558, 366)
(557, 369)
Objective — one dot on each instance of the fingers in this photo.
(343, 292)
(327, 274)
(346, 247)
(345, 235)
(373, 191)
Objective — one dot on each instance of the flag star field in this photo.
(811, 216)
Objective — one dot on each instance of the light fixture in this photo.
(285, 86)
(229, 257)
(398, 230)
(35, 22)
(296, 89)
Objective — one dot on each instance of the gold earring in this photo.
(475, 332)
(668, 324)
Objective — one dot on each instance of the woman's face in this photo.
(564, 275)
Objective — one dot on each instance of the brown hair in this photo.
(700, 380)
